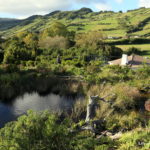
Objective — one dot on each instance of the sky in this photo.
(25, 8)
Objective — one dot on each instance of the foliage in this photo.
(57, 42)
(31, 55)
(43, 131)
(125, 122)
(133, 50)
(36, 132)
(128, 97)
(16, 51)
(11, 68)
(90, 39)
(56, 29)
(136, 140)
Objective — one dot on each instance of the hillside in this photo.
(65, 90)
(113, 24)
(7, 23)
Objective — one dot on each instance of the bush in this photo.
(37, 132)
(11, 68)
(30, 63)
(17, 51)
(128, 121)
(127, 97)
(135, 140)
(57, 42)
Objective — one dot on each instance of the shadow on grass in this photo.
(145, 53)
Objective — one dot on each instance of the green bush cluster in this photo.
(36, 132)
(46, 131)
(136, 140)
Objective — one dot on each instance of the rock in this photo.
(109, 134)
(147, 105)
(116, 136)
(99, 136)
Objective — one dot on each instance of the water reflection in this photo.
(6, 114)
(52, 102)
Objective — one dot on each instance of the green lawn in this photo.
(144, 47)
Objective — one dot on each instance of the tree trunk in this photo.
(91, 108)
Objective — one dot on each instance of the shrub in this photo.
(11, 68)
(37, 132)
(30, 63)
(135, 140)
(57, 42)
(79, 110)
(127, 97)
(128, 121)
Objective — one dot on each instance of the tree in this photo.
(111, 52)
(56, 29)
(90, 39)
(95, 47)
(16, 51)
(21, 34)
(31, 40)
(57, 42)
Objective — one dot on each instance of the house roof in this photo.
(133, 60)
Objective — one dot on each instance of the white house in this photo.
(134, 61)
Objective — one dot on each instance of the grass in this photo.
(144, 47)
(13, 84)
(109, 21)
(135, 140)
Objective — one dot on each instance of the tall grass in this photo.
(135, 140)
(18, 83)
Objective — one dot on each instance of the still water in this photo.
(52, 102)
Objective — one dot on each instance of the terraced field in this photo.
(145, 48)
(113, 24)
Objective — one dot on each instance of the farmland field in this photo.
(144, 47)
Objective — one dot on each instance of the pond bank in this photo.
(18, 83)
(33, 101)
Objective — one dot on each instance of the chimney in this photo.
(124, 60)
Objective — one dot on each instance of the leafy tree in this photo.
(21, 34)
(57, 42)
(90, 39)
(31, 40)
(111, 52)
(55, 29)
(16, 51)
(94, 47)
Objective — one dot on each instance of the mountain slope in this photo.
(114, 24)
(7, 23)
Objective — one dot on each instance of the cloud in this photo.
(144, 3)
(119, 1)
(30, 7)
(102, 6)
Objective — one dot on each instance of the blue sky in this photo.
(125, 5)
(25, 8)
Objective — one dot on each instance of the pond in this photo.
(55, 103)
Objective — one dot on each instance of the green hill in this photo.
(113, 24)
(7, 23)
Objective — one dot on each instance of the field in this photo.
(113, 24)
(145, 48)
